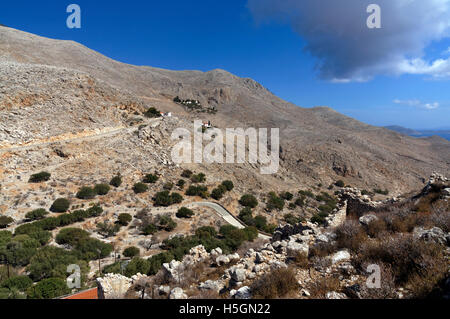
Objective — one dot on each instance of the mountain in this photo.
(444, 133)
(41, 79)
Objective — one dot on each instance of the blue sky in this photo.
(246, 39)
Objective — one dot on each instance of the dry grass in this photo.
(276, 284)
(350, 235)
(320, 287)
(415, 264)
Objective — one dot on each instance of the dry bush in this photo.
(387, 288)
(256, 245)
(441, 217)
(405, 223)
(376, 228)
(320, 263)
(300, 260)
(193, 274)
(322, 249)
(320, 287)
(350, 235)
(276, 284)
(410, 259)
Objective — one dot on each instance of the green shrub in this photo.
(167, 223)
(306, 193)
(139, 188)
(92, 249)
(200, 190)
(150, 229)
(5, 237)
(137, 265)
(176, 198)
(274, 202)
(150, 179)
(186, 174)
(181, 183)
(124, 219)
(168, 186)
(116, 181)
(52, 262)
(248, 201)
(300, 202)
(199, 178)
(287, 196)
(319, 218)
(291, 219)
(108, 229)
(19, 250)
(228, 185)
(19, 282)
(5, 221)
(217, 193)
(162, 199)
(39, 177)
(152, 113)
(380, 191)
(246, 216)
(206, 232)
(86, 193)
(48, 289)
(131, 252)
(36, 214)
(71, 236)
(340, 183)
(184, 212)
(61, 205)
(101, 189)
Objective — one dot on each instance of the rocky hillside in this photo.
(319, 145)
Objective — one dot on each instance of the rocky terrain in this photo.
(335, 275)
(319, 145)
(81, 117)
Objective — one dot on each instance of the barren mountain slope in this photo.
(318, 145)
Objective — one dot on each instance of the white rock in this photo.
(367, 219)
(335, 295)
(238, 274)
(296, 248)
(243, 293)
(222, 260)
(177, 293)
(342, 255)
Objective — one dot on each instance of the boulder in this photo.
(238, 274)
(294, 248)
(367, 219)
(216, 251)
(243, 293)
(342, 255)
(177, 293)
(434, 234)
(222, 260)
(335, 295)
(214, 285)
(234, 257)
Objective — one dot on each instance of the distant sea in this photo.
(420, 133)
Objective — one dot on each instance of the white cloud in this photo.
(418, 103)
(336, 34)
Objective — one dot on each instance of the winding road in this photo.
(218, 209)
